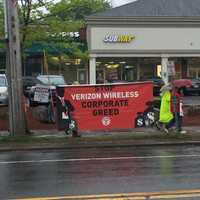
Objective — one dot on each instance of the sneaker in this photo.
(183, 132)
(166, 130)
(172, 129)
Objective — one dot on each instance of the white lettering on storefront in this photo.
(118, 38)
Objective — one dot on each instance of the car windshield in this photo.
(3, 81)
(52, 80)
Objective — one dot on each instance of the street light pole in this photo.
(14, 70)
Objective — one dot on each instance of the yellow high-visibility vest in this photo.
(165, 112)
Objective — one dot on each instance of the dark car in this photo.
(2, 71)
(28, 82)
(194, 89)
(157, 84)
(48, 83)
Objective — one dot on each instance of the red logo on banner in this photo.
(106, 121)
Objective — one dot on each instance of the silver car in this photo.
(3, 90)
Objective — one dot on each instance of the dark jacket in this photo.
(175, 102)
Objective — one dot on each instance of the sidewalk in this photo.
(52, 139)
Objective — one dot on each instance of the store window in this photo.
(82, 76)
(149, 67)
(147, 71)
(116, 69)
(113, 72)
(194, 67)
(194, 72)
(129, 73)
(100, 76)
(130, 69)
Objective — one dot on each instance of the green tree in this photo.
(65, 19)
(44, 19)
(2, 44)
(56, 25)
(1, 20)
(31, 11)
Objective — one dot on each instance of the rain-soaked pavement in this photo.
(98, 171)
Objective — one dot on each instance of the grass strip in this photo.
(30, 139)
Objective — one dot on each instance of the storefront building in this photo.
(145, 39)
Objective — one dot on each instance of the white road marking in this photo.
(94, 159)
(176, 194)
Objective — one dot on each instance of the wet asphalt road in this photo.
(98, 171)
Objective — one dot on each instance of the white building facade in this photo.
(125, 45)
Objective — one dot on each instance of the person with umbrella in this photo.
(177, 103)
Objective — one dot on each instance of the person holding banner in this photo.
(64, 114)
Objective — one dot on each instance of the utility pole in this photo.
(14, 69)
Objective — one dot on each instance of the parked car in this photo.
(47, 82)
(3, 90)
(194, 89)
(2, 71)
(157, 84)
(28, 82)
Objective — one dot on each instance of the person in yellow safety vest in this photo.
(166, 116)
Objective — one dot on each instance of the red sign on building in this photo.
(106, 107)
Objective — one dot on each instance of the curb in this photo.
(95, 143)
(38, 147)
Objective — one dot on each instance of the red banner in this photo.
(108, 107)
